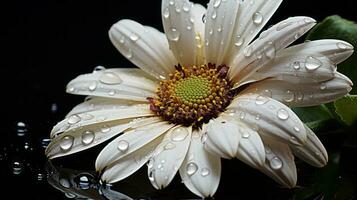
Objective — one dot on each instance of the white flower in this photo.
(227, 96)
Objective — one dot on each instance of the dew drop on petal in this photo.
(166, 13)
(216, 3)
(239, 42)
(66, 143)
(73, 119)
(134, 37)
(123, 145)
(98, 69)
(191, 168)
(248, 51)
(214, 15)
(242, 115)
(289, 96)
(105, 129)
(261, 100)
(87, 137)
(186, 6)
(323, 86)
(111, 92)
(87, 116)
(297, 129)
(296, 65)
(276, 163)
(179, 134)
(205, 172)
(171, 2)
(257, 18)
(92, 86)
(173, 34)
(283, 114)
(343, 46)
(110, 78)
(312, 63)
(169, 146)
(245, 135)
(269, 50)
(282, 25)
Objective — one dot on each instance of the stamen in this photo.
(193, 96)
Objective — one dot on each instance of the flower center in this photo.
(193, 96)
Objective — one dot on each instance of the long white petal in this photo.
(200, 171)
(168, 156)
(303, 94)
(251, 149)
(220, 20)
(269, 117)
(145, 47)
(121, 83)
(129, 142)
(279, 163)
(130, 163)
(251, 18)
(199, 13)
(222, 137)
(313, 152)
(179, 28)
(267, 46)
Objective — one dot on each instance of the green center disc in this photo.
(192, 89)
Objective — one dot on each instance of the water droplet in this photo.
(17, 167)
(66, 143)
(312, 63)
(283, 114)
(70, 89)
(245, 135)
(189, 28)
(186, 6)
(70, 195)
(204, 138)
(242, 115)
(88, 137)
(111, 92)
(92, 86)
(296, 65)
(343, 46)
(110, 78)
(214, 15)
(216, 3)
(297, 129)
(257, 117)
(248, 51)
(219, 29)
(269, 50)
(169, 146)
(276, 163)
(166, 13)
(179, 134)
(83, 181)
(239, 42)
(261, 100)
(134, 37)
(264, 34)
(177, 8)
(40, 176)
(289, 96)
(45, 142)
(128, 54)
(105, 129)
(171, 2)
(300, 96)
(267, 150)
(87, 116)
(267, 93)
(173, 35)
(282, 25)
(65, 183)
(191, 168)
(122, 39)
(123, 145)
(323, 86)
(73, 119)
(21, 129)
(98, 69)
(205, 172)
(257, 18)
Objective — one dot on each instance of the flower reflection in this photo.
(77, 184)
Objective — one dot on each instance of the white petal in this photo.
(129, 84)
(143, 46)
(132, 140)
(220, 20)
(100, 117)
(269, 117)
(251, 149)
(178, 24)
(267, 46)
(313, 152)
(303, 94)
(199, 12)
(246, 29)
(200, 171)
(279, 163)
(85, 137)
(222, 137)
(168, 156)
(99, 103)
(130, 163)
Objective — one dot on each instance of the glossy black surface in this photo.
(47, 43)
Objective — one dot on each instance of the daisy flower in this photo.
(205, 90)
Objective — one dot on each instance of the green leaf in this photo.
(346, 109)
(335, 27)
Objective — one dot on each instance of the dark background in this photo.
(45, 44)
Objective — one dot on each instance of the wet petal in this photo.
(168, 156)
(178, 22)
(268, 117)
(222, 137)
(200, 171)
(129, 84)
(279, 163)
(313, 152)
(220, 20)
(143, 46)
(304, 94)
(129, 142)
